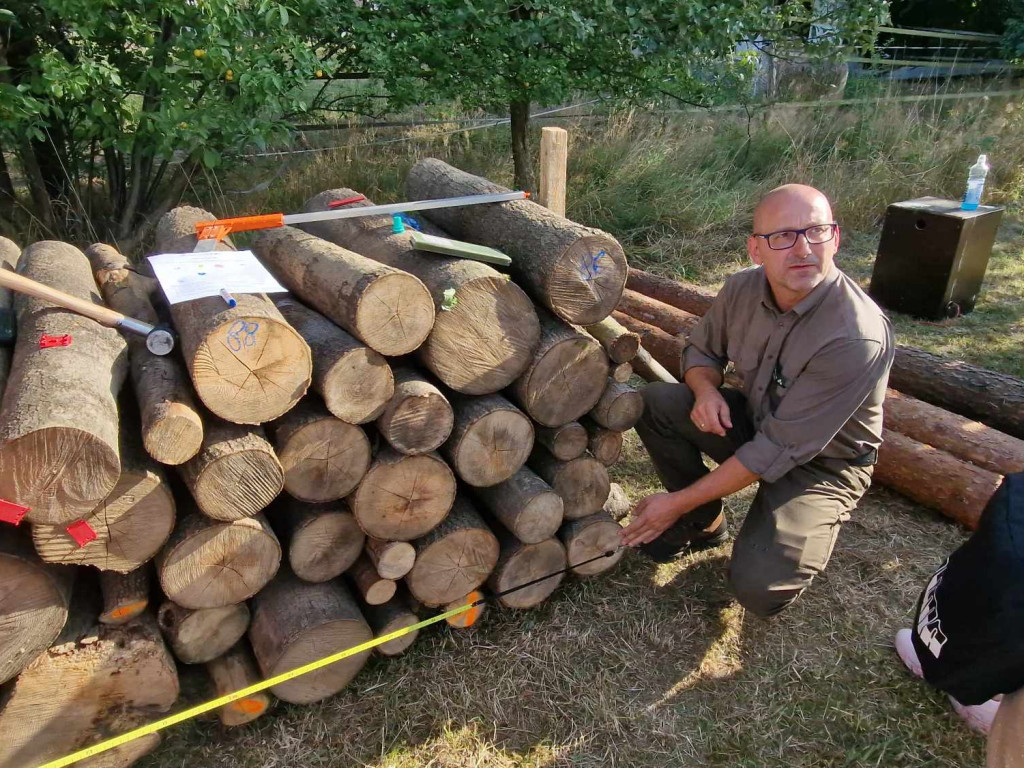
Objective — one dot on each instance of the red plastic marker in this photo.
(81, 532)
(11, 512)
(46, 341)
(346, 201)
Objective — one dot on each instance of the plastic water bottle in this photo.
(975, 184)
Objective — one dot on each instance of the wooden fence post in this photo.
(554, 153)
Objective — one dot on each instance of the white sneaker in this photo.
(978, 717)
(907, 653)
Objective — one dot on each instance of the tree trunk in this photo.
(197, 636)
(233, 671)
(418, 418)
(490, 441)
(618, 504)
(58, 423)
(519, 112)
(323, 540)
(210, 564)
(453, 559)
(519, 563)
(589, 537)
(654, 312)
(392, 559)
(934, 479)
(370, 585)
(9, 254)
(665, 348)
(323, 458)
(247, 364)
(485, 328)
(98, 681)
(34, 601)
(131, 523)
(604, 444)
(236, 474)
(686, 296)
(172, 429)
(387, 309)
(620, 343)
(125, 595)
(354, 381)
(576, 271)
(390, 617)
(294, 623)
(42, 207)
(619, 408)
(566, 376)
(7, 195)
(582, 483)
(525, 505)
(403, 497)
(565, 442)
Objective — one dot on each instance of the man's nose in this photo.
(801, 247)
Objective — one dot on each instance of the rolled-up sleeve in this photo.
(708, 341)
(817, 404)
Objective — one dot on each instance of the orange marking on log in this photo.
(250, 706)
(129, 610)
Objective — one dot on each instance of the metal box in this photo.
(932, 257)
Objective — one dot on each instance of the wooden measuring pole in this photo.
(554, 154)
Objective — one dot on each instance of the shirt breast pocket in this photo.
(745, 362)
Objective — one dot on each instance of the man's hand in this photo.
(711, 413)
(651, 518)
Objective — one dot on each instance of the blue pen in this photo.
(228, 298)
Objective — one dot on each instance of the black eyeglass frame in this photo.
(797, 232)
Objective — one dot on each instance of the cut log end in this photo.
(565, 442)
(326, 545)
(176, 436)
(470, 616)
(393, 559)
(566, 382)
(587, 281)
(493, 447)
(522, 563)
(357, 388)
(403, 497)
(395, 314)
(232, 672)
(418, 418)
(198, 636)
(324, 460)
(591, 537)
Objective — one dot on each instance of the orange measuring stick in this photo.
(221, 228)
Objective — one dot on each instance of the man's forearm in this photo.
(703, 378)
(725, 479)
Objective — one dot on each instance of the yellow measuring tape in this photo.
(188, 714)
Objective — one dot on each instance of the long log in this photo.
(525, 505)
(582, 483)
(10, 252)
(654, 312)
(232, 671)
(453, 559)
(58, 422)
(604, 444)
(485, 327)
(236, 474)
(96, 682)
(619, 408)
(665, 348)
(566, 376)
(354, 381)
(248, 365)
(370, 585)
(935, 479)
(209, 564)
(125, 595)
(172, 428)
(199, 635)
(392, 559)
(294, 623)
(130, 524)
(649, 369)
(620, 343)
(418, 418)
(34, 600)
(685, 296)
(587, 538)
(390, 617)
(565, 442)
(323, 457)
(403, 497)
(322, 540)
(490, 441)
(519, 563)
(387, 309)
(577, 272)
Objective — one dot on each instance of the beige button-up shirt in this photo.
(814, 377)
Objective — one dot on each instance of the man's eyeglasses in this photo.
(786, 238)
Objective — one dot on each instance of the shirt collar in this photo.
(808, 302)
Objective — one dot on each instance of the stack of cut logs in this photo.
(952, 430)
(396, 433)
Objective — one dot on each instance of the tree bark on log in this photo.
(234, 670)
(619, 408)
(211, 564)
(565, 442)
(453, 559)
(685, 296)
(418, 418)
(620, 343)
(483, 335)
(93, 684)
(10, 252)
(58, 422)
(654, 312)
(957, 489)
(236, 474)
(248, 365)
(390, 617)
(665, 348)
(526, 505)
(566, 376)
(618, 504)
(604, 444)
(577, 272)
(354, 381)
(519, 563)
(649, 369)
(125, 595)
(197, 636)
(369, 584)
(387, 309)
(490, 441)
(131, 523)
(34, 600)
(322, 540)
(589, 537)
(294, 623)
(323, 458)
(403, 497)
(392, 559)
(582, 483)
(172, 429)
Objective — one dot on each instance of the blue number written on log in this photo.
(241, 334)
(592, 268)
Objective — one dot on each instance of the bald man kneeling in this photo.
(813, 353)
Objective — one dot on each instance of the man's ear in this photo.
(752, 251)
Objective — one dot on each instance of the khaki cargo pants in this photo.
(792, 525)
